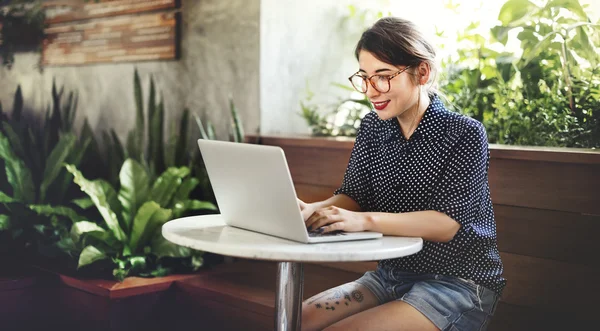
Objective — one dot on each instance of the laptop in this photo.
(254, 191)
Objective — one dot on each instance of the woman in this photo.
(416, 170)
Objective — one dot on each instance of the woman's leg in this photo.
(336, 304)
(394, 315)
(438, 303)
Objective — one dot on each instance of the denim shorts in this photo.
(451, 303)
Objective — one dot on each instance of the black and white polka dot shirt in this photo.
(442, 167)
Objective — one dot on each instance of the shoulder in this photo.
(465, 128)
(369, 119)
(371, 124)
(376, 124)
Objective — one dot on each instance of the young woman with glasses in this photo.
(417, 170)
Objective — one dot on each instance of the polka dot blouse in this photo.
(442, 167)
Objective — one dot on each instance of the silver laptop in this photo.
(254, 190)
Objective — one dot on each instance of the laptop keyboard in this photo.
(313, 234)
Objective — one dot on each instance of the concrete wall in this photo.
(220, 55)
(302, 42)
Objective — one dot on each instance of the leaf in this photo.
(203, 133)
(17, 174)
(83, 227)
(149, 217)
(4, 198)
(116, 144)
(135, 187)
(67, 245)
(197, 260)
(102, 197)
(188, 185)
(365, 102)
(66, 113)
(83, 203)
(55, 162)
(180, 207)
(585, 48)
(513, 11)
(111, 196)
(343, 87)
(543, 44)
(4, 222)
(571, 5)
(161, 272)
(171, 146)
(114, 163)
(504, 63)
(120, 273)
(500, 33)
(73, 112)
(161, 247)
(17, 105)
(138, 263)
(48, 210)
(151, 118)
(182, 138)
(157, 136)
(65, 179)
(210, 131)
(13, 138)
(89, 255)
(55, 117)
(238, 129)
(201, 205)
(138, 133)
(167, 184)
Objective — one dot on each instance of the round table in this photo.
(209, 233)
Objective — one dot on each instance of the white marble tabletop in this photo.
(209, 233)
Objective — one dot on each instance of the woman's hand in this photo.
(306, 209)
(336, 219)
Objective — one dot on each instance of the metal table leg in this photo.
(288, 300)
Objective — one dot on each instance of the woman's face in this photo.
(403, 93)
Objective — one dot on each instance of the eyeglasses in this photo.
(381, 83)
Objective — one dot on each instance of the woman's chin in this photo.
(384, 115)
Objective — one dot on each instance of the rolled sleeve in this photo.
(356, 182)
(464, 181)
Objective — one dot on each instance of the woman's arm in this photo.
(430, 225)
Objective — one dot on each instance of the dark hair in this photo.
(398, 42)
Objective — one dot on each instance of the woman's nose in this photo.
(372, 92)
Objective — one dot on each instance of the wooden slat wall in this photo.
(547, 208)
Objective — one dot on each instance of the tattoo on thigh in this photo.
(336, 297)
(357, 295)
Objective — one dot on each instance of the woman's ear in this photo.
(423, 71)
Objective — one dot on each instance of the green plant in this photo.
(146, 141)
(21, 26)
(544, 96)
(35, 188)
(130, 238)
(339, 119)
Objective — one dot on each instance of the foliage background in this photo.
(544, 92)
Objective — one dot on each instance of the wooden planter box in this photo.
(547, 208)
(38, 295)
(19, 296)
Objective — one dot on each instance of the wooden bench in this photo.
(547, 208)
(241, 295)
